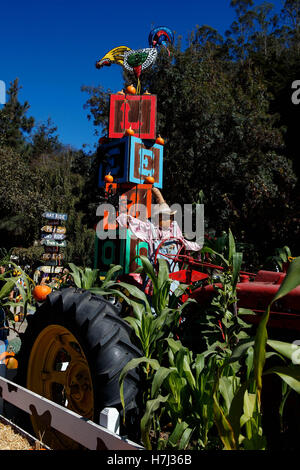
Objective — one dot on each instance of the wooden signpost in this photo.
(54, 236)
(55, 216)
(52, 256)
(61, 244)
(53, 228)
(53, 239)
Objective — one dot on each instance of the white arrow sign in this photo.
(55, 215)
(53, 243)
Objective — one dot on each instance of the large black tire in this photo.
(105, 341)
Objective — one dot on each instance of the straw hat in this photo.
(161, 207)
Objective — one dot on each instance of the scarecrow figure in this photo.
(162, 227)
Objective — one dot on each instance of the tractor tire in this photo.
(73, 351)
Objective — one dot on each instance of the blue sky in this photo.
(52, 47)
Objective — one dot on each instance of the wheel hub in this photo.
(59, 371)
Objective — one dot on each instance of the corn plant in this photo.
(152, 318)
(84, 278)
(180, 398)
(291, 373)
(281, 256)
(25, 286)
(245, 405)
(219, 325)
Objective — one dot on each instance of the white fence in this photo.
(85, 432)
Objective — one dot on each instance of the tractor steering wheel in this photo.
(165, 251)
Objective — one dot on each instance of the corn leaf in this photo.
(225, 429)
(231, 247)
(237, 259)
(7, 288)
(290, 375)
(146, 422)
(288, 350)
(132, 365)
(291, 281)
(160, 375)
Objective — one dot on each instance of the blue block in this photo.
(130, 160)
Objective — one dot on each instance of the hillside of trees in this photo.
(226, 113)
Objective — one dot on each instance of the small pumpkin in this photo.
(16, 318)
(108, 178)
(131, 90)
(149, 179)
(147, 93)
(40, 292)
(11, 363)
(129, 131)
(160, 140)
(121, 92)
(8, 358)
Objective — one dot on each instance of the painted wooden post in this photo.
(129, 160)
(53, 238)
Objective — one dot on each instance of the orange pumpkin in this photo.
(9, 360)
(16, 318)
(149, 179)
(40, 292)
(147, 93)
(11, 363)
(129, 131)
(121, 92)
(108, 178)
(131, 90)
(160, 140)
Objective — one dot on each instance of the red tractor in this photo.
(254, 291)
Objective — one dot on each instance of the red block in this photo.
(135, 111)
(131, 195)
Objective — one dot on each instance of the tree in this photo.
(14, 124)
(21, 201)
(44, 139)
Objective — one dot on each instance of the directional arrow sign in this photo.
(53, 229)
(50, 269)
(53, 256)
(54, 243)
(55, 215)
(54, 236)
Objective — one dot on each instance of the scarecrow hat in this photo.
(161, 207)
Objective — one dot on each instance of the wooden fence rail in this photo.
(85, 432)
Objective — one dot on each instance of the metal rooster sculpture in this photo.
(136, 61)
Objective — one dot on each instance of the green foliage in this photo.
(281, 256)
(200, 400)
(14, 122)
(291, 281)
(84, 278)
(25, 288)
(152, 319)
(217, 327)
